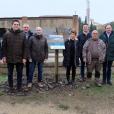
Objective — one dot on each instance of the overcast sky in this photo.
(102, 11)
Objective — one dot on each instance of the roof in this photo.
(40, 17)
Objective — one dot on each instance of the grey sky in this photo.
(101, 10)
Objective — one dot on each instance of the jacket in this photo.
(109, 45)
(67, 54)
(82, 38)
(88, 50)
(14, 46)
(27, 36)
(38, 48)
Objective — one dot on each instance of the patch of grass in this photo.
(3, 78)
(105, 90)
(1, 93)
(98, 90)
(63, 107)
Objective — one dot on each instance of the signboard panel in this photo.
(56, 42)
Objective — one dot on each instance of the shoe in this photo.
(73, 82)
(82, 79)
(88, 83)
(29, 85)
(103, 83)
(68, 83)
(97, 82)
(11, 91)
(20, 92)
(109, 83)
(40, 84)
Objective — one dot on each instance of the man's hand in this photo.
(4, 60)
(24, 61)
(1, 61)
(30, 60)
(84, 60)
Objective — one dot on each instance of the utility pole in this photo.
(88, 12)
(75, 23)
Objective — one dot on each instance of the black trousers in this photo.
(107, 71)
(19, 70)
(68, 69)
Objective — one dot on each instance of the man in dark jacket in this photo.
(83, 37)
(38, 48)
(14, 53)
(108, 38)
(28, 34)
(71, 56)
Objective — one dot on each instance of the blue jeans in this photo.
(107, 71)
(31, 71)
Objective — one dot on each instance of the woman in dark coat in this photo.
(71, 56)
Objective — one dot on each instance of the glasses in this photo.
(16, 24)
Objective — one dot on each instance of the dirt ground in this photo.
(60, 98)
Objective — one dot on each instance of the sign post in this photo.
(56, 65)
(56, 42)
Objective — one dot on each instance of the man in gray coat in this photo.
(38, 52)
(94, 51)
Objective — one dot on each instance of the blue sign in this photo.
(56, 42)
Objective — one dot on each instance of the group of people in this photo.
(94, 51)
(22, 47)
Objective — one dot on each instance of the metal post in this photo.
(56, 65)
